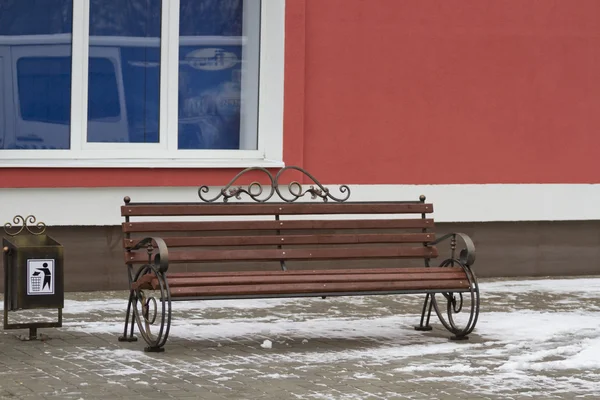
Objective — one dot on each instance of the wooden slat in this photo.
(189, 209)
(323, 278)
(300, 288)
(332, 253)
(276, 225)
(291, 239)
(411, 270)
(356, 274)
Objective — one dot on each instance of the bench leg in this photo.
(424, 325)
(128, 320)
(152, 310)
(455, 304)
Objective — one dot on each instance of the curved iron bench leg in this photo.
(152, 327)
(454, 305)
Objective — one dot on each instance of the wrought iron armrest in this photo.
(161, 259)
(467, 254)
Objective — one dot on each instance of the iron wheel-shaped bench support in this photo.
(145, 308)
(454, 305)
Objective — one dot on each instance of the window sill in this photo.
(140, 163)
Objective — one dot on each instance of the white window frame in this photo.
(269, 145)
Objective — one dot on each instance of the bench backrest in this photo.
(281, 232)
(254, 238)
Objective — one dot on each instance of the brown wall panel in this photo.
(94, 258)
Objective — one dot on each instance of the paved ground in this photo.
(535, 339)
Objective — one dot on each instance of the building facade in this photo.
(486, 107)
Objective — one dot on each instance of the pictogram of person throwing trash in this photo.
(47, 275)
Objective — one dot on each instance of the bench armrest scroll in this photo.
(467, 254)
(161, 258)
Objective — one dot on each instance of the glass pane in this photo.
(104, 103)
(42, 81)
(35, 83)
(218, 74)
(124, 71)
(3, 124)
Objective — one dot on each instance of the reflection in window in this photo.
(35, 17)
(124, 71)
(41, 89)
(103, 83)
(36, 114)
(211, 55)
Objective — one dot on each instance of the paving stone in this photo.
(340, 348)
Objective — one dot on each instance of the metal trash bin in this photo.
(33, 272)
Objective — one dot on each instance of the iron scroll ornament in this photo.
(28, 223)
(255, 189)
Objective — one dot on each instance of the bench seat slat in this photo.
(196, 226)
(303, 276)
(322, 253)
(194, 209)
(242, 280)
(402, 270)
(291, 239)
(296, 288)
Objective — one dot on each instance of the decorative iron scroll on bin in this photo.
(33, 273)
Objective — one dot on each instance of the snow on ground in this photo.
(537, 336)
(583, 287)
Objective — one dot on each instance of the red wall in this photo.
(419, 92)
(436, 91)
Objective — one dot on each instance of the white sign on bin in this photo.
(40, 277)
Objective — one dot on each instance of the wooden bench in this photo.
(283, 248)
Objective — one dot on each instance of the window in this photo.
(36, 80)
(124, 58)
(217, 62)
(141, 82)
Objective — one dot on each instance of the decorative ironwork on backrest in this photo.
(22, 224)
(256, 192)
